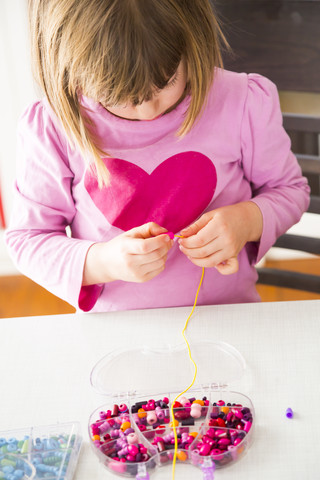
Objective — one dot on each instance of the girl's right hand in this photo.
(137, 255)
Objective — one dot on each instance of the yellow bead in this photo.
(142, 413)
(125, 425)
(182, 456)
(200, 402)
(225, 409)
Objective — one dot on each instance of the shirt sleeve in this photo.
(43, 207)
(279, 189)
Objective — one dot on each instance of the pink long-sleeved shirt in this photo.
(236, 151)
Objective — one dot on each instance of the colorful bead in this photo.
(227, 425)
(289, 413)
(123, 408)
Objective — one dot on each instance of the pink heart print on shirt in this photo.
(173, 195)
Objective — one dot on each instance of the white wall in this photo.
(16, 86)
(17, 90)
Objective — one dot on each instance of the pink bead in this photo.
(237, 413)
(237, 441)
(123, 451)
(133, 450)
(221, 403)
(247, 426)
(224, 442)
(142, 428)
(104, 427)
(170, 234)
(118, 467)
(195, 413)
(210, 432)
(216, 454)
(220, 433)
(151, 404)
(123, 408)
(130, 458)
(183, 400)
(132, 438)
(152, 418)
(204, 450)
(159, 413)
(187, 404)
(166, 400)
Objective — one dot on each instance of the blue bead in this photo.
(18, 474)
(8, 469)
(12, 447)
(12, 440)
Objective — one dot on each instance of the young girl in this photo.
(142, 132)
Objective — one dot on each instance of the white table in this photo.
(45, 365)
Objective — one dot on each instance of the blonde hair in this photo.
(115, 51)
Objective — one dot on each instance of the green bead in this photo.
(5, 462)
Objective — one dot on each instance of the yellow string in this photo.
(194, 377)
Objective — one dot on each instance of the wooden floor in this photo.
(20, 297)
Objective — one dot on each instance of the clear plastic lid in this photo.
(143, 370)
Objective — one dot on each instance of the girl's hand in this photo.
(137, 255)
(217, 237)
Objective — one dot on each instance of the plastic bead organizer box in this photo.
(132, 434)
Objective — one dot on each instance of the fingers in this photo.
(148, 230)
(196, 226)
(228, 267)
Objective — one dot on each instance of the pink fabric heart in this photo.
(173, 195)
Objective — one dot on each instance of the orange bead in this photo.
(175, 423)
(200, 402)
(225, 409)
(182, 456)
(125, 425)
(96, 437)
(142, 413)
(193, 434)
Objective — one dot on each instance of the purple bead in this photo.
(289, 413)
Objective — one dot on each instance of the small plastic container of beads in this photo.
(48, 451)
(15, 467)
(132, 432)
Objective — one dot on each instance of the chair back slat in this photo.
(314, 206)
(309, 163)
(300, 122)
(289, 279)
(299, 242)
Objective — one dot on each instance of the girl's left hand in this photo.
(217, 237)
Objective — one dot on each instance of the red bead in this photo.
(213, 423)
(177, 405)
(221, 422)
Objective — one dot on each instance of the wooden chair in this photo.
(304, 131)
